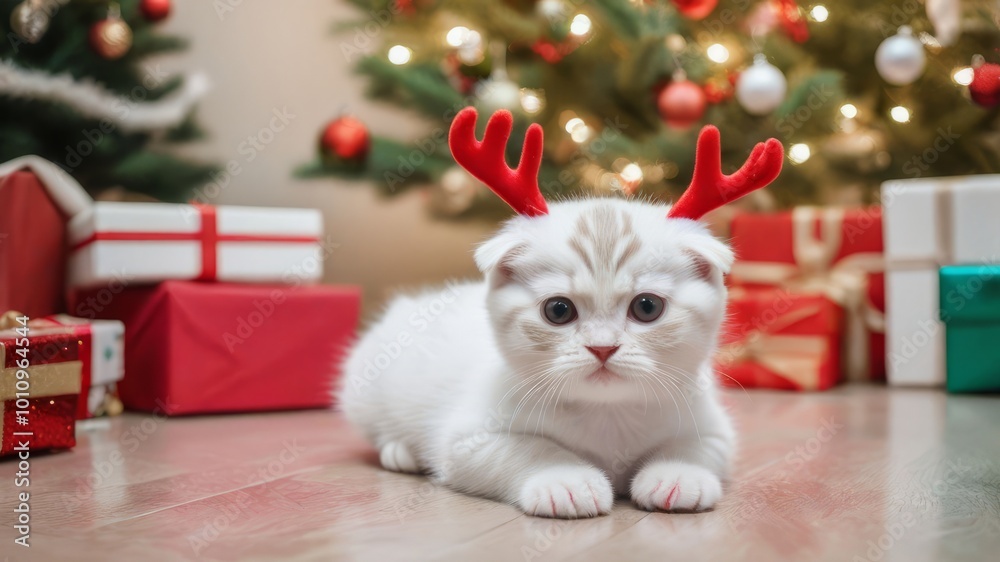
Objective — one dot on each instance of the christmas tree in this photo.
(76, 88)
(858, 91)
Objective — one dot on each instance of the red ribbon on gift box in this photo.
(208, 234)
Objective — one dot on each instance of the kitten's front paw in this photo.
(567, 492)
(675, 486)
(396, 456)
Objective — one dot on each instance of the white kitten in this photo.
(579, 369)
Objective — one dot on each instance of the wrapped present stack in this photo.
(943, 297)
(807, 299)
(220, 306)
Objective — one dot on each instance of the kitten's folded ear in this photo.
(709, 254)
(495, 256)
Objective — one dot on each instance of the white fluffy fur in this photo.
(472, 385)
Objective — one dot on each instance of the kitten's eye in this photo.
(559, 310)
(646, 307)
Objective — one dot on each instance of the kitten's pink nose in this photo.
(603, 352)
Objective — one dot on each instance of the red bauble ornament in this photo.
(695, 9)
(155, 10)
(792, 19)
(681, 104)
(985, 86)
(346, 138)
(111, 38)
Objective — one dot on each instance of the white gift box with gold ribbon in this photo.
(929, 223)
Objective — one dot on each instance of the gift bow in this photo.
(796, 358)
(814, 272)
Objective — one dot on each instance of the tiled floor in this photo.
(861, 473)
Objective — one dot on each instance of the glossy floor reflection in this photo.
(860, 473)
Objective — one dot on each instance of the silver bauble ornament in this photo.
(761, 88)
(900, 59)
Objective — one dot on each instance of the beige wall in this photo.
(265, 56)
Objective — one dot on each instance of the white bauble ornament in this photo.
(900, 59)
(761, 88)
(499, 92)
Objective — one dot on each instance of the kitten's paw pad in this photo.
(396, 457)
(567, 492)
(676, 486)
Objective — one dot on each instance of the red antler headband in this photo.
(485, 160)
(709, 188)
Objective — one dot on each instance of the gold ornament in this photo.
(30, 21)
(111, 38)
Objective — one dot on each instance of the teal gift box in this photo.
(970, 310)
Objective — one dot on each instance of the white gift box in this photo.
(121, 243)
(928, 223)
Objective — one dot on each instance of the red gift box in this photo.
(777, 339)
(829, 251)
(40, 382)
(195, 348)
(36, 200)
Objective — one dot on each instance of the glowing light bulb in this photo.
(718, 53)
(456, 36)
(580, 25)
(581, 134)
(963, 76)
(531, 101)
(849, 110)
(632, 173)
(799, 153)
(900, 114)
(399, 55)
(819, 13)
(574, 124)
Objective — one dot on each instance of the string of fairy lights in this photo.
(726, 67)
(470, 48)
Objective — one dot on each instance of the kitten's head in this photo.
(607, 296)
(612, 297)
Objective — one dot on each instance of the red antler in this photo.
(485, 160)
(710, 189)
